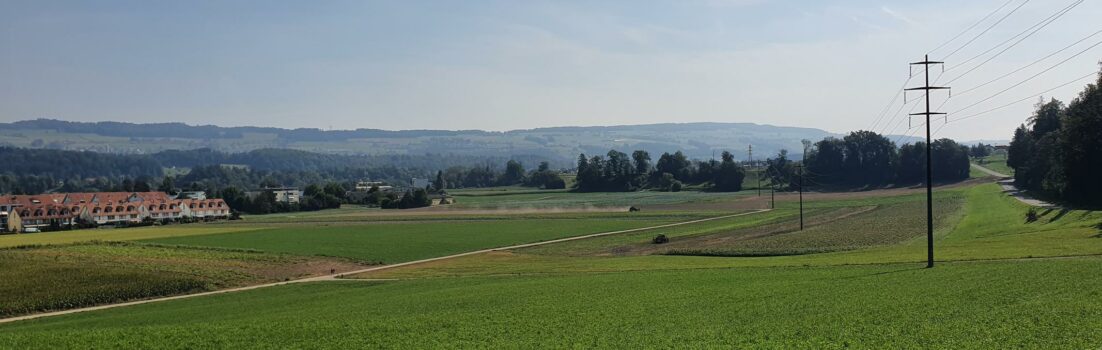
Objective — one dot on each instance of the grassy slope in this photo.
(1039, 304)
(67, 276)
(996, 163)
(397, 242)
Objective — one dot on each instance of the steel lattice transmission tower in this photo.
(926, 63)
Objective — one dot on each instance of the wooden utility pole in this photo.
(750, 163)
(801, 167)
(929, 170)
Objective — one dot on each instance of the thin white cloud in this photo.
(898, 16)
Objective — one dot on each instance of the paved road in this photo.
(1010, 189)
(1007, 183)
(370, 269)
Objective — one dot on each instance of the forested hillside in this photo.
(41, 170)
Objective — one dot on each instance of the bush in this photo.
(1031, 215)
(675, 187)
(556, 183)
(660, 239)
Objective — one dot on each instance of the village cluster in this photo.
(35, 213)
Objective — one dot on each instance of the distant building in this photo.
(68, 210)
(10, 221)
(419, 183)
(200, 195)
(364, 186)
(287, 195)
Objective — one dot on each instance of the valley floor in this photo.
(852, 278)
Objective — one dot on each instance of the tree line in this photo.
(868, 159)
(617, 172)
(1058, 152)
(488, 176)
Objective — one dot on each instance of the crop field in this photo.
(1039, 304)
(112, 234)
(405, 241)
(845, 228)
(42, 278)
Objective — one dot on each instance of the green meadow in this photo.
(518, 198)
(1037, 304)
(997, 163)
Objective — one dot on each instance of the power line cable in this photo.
(1028, 65)
(988, 29)
(1030, 78)
(908, 115)
(883, 112)
(966, 30)
(1026, 98)
(1044, 23)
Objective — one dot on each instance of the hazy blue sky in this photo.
(516, 64)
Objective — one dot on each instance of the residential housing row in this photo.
(28, 213)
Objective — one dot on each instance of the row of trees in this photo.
(980, 150)
(487, 176)
(617, 172)
(1059, 151)
(868, 159)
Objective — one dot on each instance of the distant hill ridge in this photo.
(561, 144)
(182, 130)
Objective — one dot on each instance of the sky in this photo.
(502, 65)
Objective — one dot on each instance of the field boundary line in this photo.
(370, 269)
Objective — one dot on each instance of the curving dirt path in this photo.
(370, 269)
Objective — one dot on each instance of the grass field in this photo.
(852, 278)
(362, 215)
(67, 276)
(1041, 304)
(529, 198)
(997, 163)
(398, 242)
